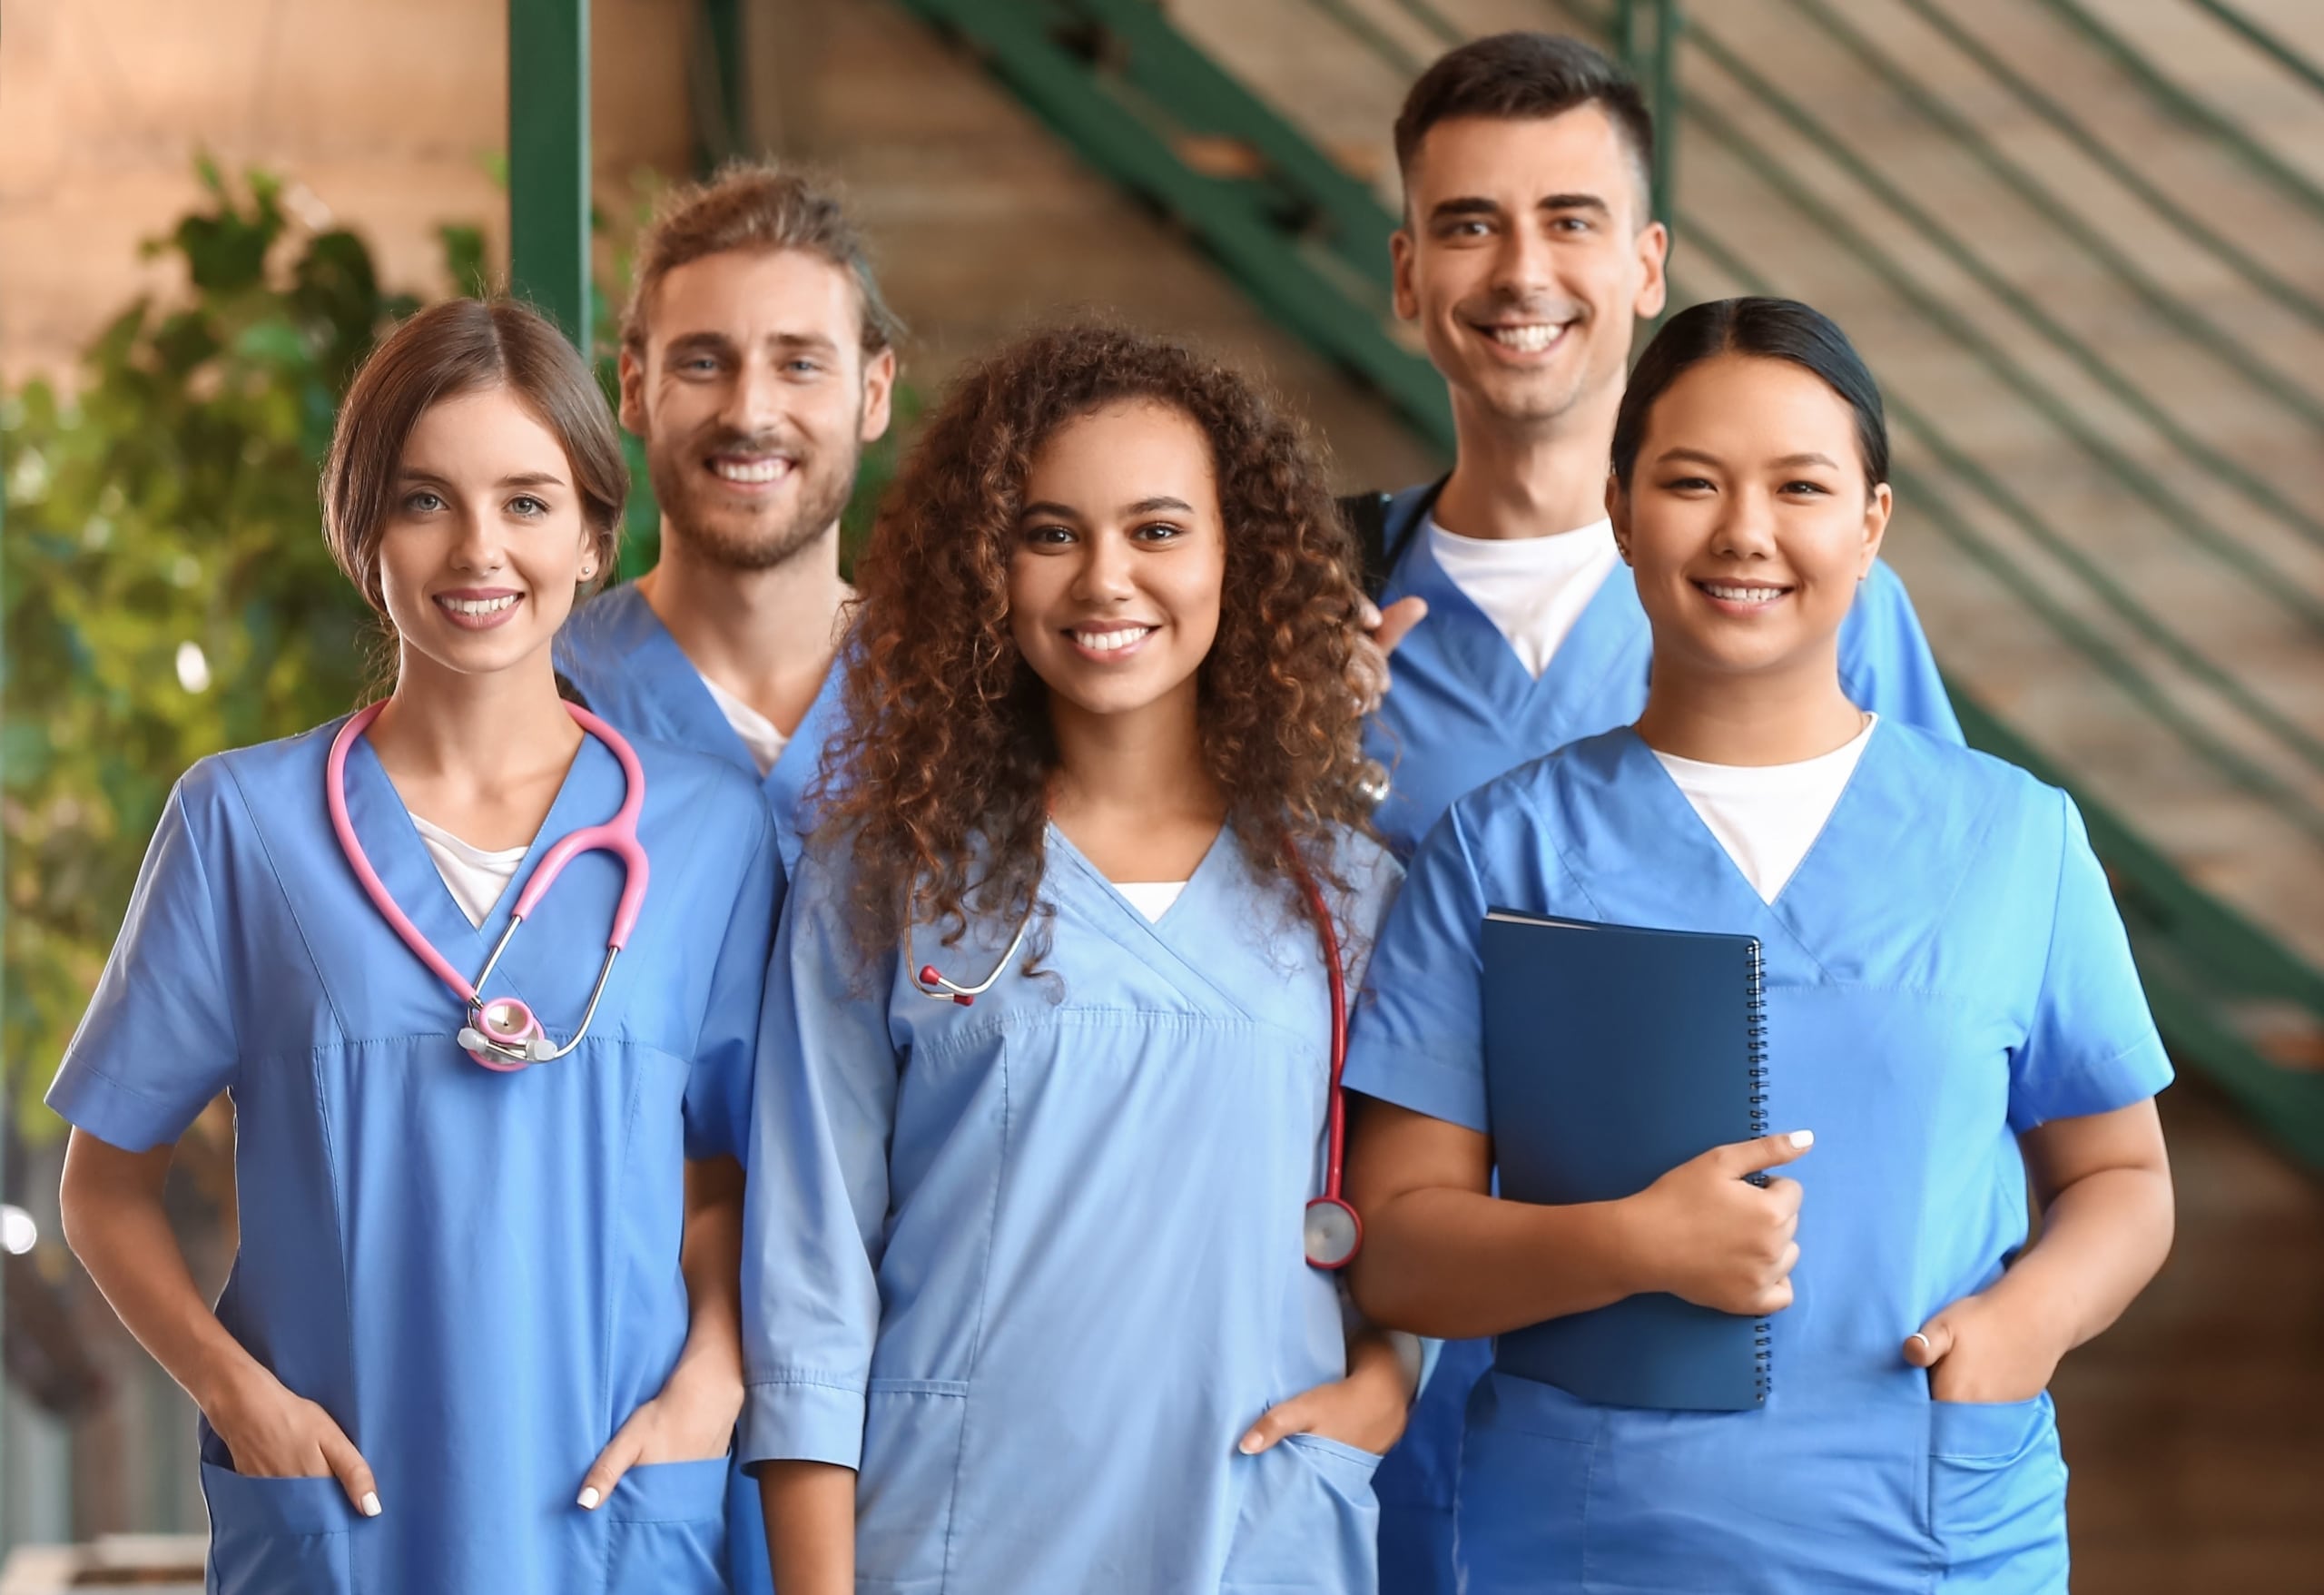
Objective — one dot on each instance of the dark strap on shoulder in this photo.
(1367, 517)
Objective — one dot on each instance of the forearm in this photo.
(810, 1510)
(1457, 1264)
(2102, 1238)
(711, 1263)
(116, 1225)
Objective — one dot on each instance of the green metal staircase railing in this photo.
(1143, 106)
(1147, 106)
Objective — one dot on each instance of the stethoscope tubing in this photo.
(930, 982)
(1335, 1133)
(494, 1046)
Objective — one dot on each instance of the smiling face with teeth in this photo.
(486, 542)
(755, 397)
(1526, 257)
(1115, 583)
(1749, 521)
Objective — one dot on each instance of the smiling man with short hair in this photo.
(757, 361)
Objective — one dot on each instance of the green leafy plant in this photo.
(167, 588)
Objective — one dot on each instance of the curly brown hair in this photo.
(945, 762)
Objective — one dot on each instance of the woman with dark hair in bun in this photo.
(1045, 1090)
(1951, 1015)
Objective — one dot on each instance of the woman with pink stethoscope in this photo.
(489, 1076)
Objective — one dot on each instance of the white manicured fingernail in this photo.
(1803, 1137)
(1250, 1443)
(1922, 1338)
(589, 1499)
(371, 1503)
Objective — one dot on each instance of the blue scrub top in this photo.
(476, 1274)
(1464, 710)
(631, 670)
(1036, 1265)
(626, 663)
(1945, 970)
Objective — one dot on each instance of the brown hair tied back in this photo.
(942, 773)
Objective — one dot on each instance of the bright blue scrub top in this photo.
(1464, 710)
(1034, 1266)
(631, 670)
(475, 1274)
(1945, 971)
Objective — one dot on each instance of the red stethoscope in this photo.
(1331, 1229)
(503, 1034)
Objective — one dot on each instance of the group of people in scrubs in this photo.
(760, 1078)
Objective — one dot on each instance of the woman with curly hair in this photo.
(1045, 1083)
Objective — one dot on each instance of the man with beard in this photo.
(757, 361)
(1527, 255)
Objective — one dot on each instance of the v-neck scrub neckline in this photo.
(1151, 898)
(474, 876)
(1767, 816)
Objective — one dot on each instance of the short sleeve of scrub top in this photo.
(2091, 1047)
(158, 1040)
(718, 1086)
(1417, 1039)
(815, 1209)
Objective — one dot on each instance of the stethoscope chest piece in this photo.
(1333, 1232)
(504, 1035)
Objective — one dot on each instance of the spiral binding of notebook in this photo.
(1755, 1031)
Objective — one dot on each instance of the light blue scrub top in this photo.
(476, 1274)
(631, 670)
(1464, 710)
(1034, 1266)
(1945, 971)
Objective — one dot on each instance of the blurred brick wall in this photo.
(385, 110)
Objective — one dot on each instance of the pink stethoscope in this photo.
(1330, 1228)
(503, 1034)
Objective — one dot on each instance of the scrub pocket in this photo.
(1308, 1520)
(1997, 1497)
(272, 1536)
(912, 1466)
(1522, 1490)
(668, 1529)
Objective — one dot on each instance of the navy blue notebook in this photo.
(1612, 1054)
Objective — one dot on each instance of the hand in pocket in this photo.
(272, 1432)
(693, 1420)
(1977, 1352)
(1365, 1410)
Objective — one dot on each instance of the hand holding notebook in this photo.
(1712, 1237)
